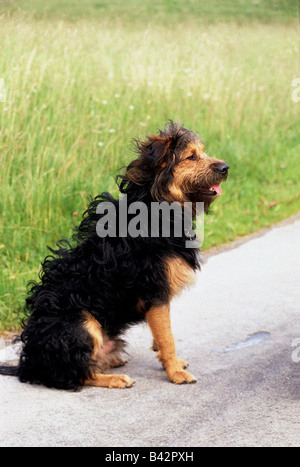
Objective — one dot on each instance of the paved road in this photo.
(236, 328)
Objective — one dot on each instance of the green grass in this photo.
(78, 91)
(160, 11)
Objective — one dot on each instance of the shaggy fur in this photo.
(92, 289)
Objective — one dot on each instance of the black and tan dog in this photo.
(90, 292)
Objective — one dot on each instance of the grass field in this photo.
(85, 77)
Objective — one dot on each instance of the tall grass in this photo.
(165, 12)
(77, 93)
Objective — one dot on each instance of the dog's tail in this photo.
(9, 370)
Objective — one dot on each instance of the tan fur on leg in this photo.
(106, 353)
(160, 325)
(110, 381)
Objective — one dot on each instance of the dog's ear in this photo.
(159, 149)
(155, 162)
(156, 150)
(155, 154)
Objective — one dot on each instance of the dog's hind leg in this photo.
(109, 381)
(105, 353)
(115, 360)
(114, 357)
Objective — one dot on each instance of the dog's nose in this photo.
(222, 168)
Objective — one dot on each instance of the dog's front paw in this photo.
(181, 377)
(182, 363)
(120, 381)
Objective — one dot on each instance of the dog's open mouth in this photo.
(212, 190)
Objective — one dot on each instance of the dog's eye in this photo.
(193, 157)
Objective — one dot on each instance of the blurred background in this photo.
(81, 78)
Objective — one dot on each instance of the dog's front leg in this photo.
(160, 325)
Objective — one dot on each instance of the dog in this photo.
(90, 291)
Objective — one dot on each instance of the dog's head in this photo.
(173, 166)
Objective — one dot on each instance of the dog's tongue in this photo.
(217, 188)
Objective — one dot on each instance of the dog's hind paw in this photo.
(120, 381)
(117, 362)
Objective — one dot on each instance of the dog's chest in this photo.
(180, 275)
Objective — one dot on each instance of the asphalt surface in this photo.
(238, 329)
